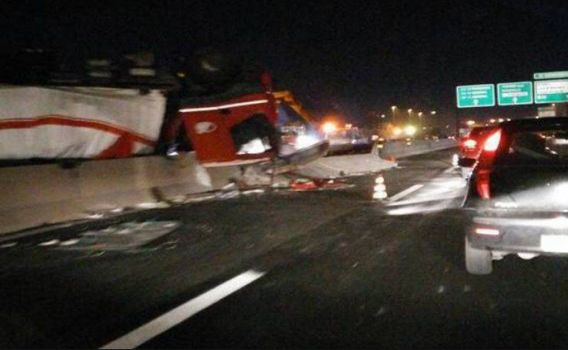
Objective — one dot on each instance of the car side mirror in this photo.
(467, 162)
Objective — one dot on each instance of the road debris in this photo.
(313, 184)
(255, 191)
(201, 197)
(228, 194)
(152, 205)
(124, 236)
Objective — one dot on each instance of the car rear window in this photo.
(478, 132)
(537, 147)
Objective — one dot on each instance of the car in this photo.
(470, 148)
(517, 197)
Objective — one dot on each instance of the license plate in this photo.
(554, 244)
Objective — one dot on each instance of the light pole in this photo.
(393, 108)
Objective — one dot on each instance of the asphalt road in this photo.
(329, 269)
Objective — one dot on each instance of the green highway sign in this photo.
(550, 75)
(551, 91)
(469, 96)
(512, 94)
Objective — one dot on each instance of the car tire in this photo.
(477, 261)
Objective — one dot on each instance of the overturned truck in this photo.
(226, 113)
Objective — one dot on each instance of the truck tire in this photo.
(477, 261)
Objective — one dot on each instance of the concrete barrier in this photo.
(346, 165)
(45, 194)
(400, 149)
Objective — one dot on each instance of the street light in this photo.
(433, 112)
(410, 130)
(383, 116)
(420, 114)
(393, 108)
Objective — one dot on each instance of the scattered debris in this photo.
(255, 191)
(125, 236)
(303, 185)
(228, 194)
(441, 289)
(152, 205)
(178, 199)
(281, 181)
(355, 265)
(311, 184)
(102, 211)
(466, 288)
(199, 197)
(94, 216)
(255, 176)
(230, 186)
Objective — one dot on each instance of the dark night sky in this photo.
(350, 56)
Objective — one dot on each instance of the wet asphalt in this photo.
(340, 270)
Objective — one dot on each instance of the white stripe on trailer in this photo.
(216, 108)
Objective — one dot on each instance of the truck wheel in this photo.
(477, 261)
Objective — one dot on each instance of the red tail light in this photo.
(483, 176)
(492, 142)
(482, 183)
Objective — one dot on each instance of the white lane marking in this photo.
(423, 200)
(181, 313)
(49, 243)
(449, 170)
(406, 192)
(69, 242)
